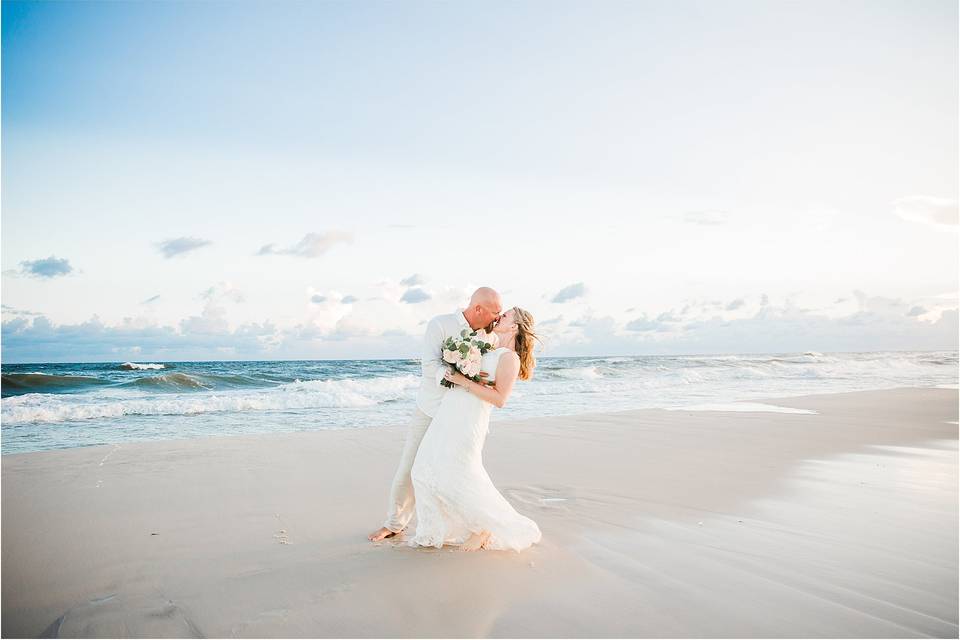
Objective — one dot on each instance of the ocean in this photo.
(56, 406)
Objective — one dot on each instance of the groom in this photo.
(484, 310)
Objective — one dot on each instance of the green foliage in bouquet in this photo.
(463, 344)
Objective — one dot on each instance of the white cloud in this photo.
(212, 320)
(570, 292)
(671, 316)
(92, 340)
(413, 280)
(19, 312)
(180, 246)
(51, 267)
(939, 212)
(874, 323)
(312, 245)
(385, 328)
(735, 304)
(415, 295)
(223, 290)
(643, 323)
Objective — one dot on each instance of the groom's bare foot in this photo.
(382, 533)
(475, 541)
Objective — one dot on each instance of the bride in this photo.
(456, 502)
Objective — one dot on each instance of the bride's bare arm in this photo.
(507, 370)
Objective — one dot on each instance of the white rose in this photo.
(451, 356)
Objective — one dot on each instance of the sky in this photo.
(298, 180)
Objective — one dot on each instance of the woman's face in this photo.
(507, 322)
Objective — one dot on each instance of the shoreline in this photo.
(766, 400)
(656, 523)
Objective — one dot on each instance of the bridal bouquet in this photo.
(463, 354)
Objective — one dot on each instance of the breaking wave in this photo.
(135, 366)
(314, 394)
(579, 373)
(39, 382)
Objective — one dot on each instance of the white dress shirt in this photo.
(432, 366)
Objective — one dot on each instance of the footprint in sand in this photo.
(110, 453)
(281, 535)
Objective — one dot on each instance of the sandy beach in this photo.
(656, 523)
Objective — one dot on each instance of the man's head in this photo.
(484, 309)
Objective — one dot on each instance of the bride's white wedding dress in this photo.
(454, 495)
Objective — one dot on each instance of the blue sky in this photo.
(214, 180)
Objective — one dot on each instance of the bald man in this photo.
(483, 311)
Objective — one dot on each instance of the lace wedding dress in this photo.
(454, 495)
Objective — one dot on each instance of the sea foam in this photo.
(739, 406)
(313, 394)
(136, 366)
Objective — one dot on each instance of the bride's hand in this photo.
(456, 378)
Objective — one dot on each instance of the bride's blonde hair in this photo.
(524, 342)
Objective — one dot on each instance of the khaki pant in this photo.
(400, 509)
